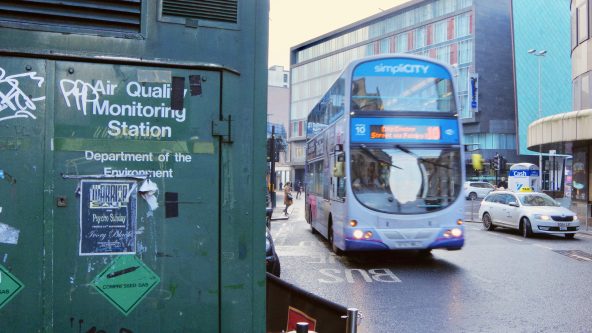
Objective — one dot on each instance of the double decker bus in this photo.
(384, 159)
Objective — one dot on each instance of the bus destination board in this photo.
(404, 130)
(398, 132)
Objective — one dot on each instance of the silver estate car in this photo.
(529, 212)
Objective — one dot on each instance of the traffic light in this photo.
(477, 162)
(502, 164)
(495, 163)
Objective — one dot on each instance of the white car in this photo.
(474, 190)
(529, 212)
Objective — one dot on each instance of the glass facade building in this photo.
(473, 36)
(569, 133)
(553, 17)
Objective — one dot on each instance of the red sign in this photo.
(296, 316)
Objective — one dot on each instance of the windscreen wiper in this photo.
(376, 158)
(419, 158)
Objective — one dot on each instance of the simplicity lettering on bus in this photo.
(401, 67)
(409, 130)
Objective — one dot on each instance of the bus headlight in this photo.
(353, 223)
(368, 234)
(358, 234)
(454, 232)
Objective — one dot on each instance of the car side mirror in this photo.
(513, 204)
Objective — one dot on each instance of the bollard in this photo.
(302, 327)
(352, 320)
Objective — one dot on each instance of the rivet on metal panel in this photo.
(62, 202)
(71, 70)
(28, 68)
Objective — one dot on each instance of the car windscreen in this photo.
(405, 181)
(537, 200)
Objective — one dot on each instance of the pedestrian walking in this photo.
(287, 197)
(298, 189)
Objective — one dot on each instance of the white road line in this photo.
(543, 247)
(575, 256)
(482, 279)
(514, 239)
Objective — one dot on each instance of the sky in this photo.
(294, 22)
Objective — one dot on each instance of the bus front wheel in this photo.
(334, 248)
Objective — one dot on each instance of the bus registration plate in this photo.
(408, 244)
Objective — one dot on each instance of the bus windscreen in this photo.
(420, 86)
(402, 180)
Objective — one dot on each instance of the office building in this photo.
(472, 36)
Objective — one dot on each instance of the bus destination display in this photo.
(404, 130)
(398, 132)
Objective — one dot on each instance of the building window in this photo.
(285, 78)
(465, 52)
(440, 32)
(385, 45)
(443, 54)
(577, 94)
(492, 140)
(585, 104)
(420, 37)
(402, 42)
(461, 27)
(582, 12)
(462, 80)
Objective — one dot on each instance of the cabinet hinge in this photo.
(223, 128)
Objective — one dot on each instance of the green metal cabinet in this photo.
(131, 187)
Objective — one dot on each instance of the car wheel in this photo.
(526, 228)
(487, 223)
(277, 268)
(570, 236)
(472, 196)
(334, 248)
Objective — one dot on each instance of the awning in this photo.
(560, 131)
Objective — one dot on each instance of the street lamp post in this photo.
(539, 55)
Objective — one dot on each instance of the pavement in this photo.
(278, 211)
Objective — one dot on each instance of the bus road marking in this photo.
(478, 277)
(334, 275)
